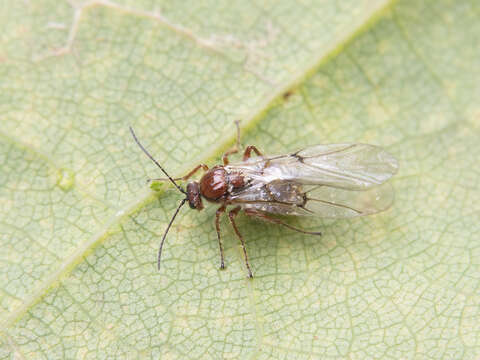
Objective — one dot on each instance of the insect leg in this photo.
(264, 216)
(186, 177)
(237, 145)
(219, 213)
(231, 216)
(227, 154)
(248, 150)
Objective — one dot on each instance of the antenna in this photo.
(156, 163)
(166, 232)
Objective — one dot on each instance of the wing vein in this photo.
(329, 153)
(338, 174)
(334, 204)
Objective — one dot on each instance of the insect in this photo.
(334, 181)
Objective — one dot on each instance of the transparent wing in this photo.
(324, 201)
(346, 166)
(335, 181)
(331, 202)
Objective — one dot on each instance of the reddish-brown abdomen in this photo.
(213, 185)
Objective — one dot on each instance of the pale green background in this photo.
(79, 229)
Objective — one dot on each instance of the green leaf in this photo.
(80, 228)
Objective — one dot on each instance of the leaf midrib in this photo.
(147, 195)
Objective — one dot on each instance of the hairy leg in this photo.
(219, 213)
(231, 216)
(248, 151)
(186, 177)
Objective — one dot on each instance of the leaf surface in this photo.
(79, 229)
